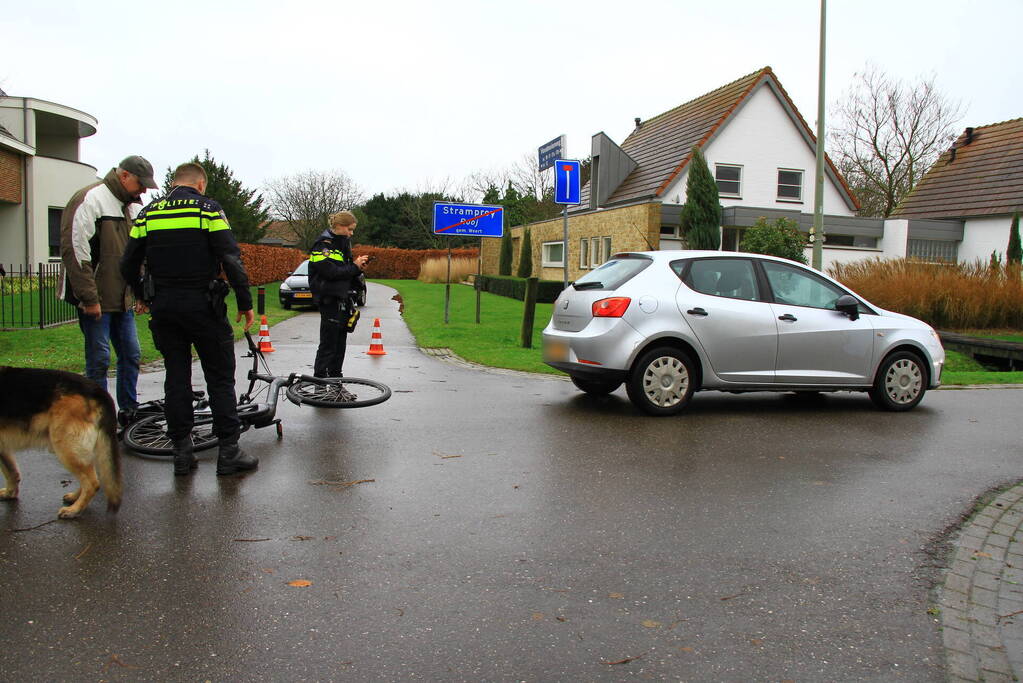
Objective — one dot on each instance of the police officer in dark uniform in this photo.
(331, 271)
(185, 240)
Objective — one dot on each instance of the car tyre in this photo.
(286, 305)
(360, 298)
(596, 387)
(900, 383)
(662, 381)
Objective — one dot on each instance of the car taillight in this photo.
(611, 308)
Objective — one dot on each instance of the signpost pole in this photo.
(564, 251)
(476, 283)
(447, 288)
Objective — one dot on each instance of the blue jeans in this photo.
(117, 329)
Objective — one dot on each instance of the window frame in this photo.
(547, 263)
(732, 195)
(53, 231)
(584, 253)
(780, 184)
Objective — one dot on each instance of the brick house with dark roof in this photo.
(758, 146)
(279, 234)
(974, 188)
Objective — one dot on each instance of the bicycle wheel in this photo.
(339, 392)
(148, 436)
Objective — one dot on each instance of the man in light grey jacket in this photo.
(93, 233)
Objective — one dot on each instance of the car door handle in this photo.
(788, 317)
(697, 311)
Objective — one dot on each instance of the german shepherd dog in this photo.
(73, 417)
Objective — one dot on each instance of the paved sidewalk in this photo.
(982, 599)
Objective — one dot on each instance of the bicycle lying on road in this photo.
(146, 434)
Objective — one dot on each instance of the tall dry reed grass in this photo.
(434, 270)
(948, 296)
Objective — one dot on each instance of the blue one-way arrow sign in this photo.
(567, 181)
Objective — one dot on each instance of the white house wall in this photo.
(893, 242)
(762, 138)
(981, 236)
(53, 181)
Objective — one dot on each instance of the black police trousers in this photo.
(330, 355)
(175, 332)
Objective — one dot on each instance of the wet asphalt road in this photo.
(514, 529)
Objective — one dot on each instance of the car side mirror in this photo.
(848, 304)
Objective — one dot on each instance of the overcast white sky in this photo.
(407, 94)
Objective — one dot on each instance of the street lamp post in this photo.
(818, 200)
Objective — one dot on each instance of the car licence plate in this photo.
(303, 295)
(555, 350)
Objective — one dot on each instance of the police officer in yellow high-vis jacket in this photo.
(331, 271)
(184, 240)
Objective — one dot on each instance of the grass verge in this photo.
(495, 341)
(61, 348)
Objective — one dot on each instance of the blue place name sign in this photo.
(472, 220)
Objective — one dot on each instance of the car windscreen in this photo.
(614, 273)
(303, 268)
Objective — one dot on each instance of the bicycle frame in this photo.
(147, 435)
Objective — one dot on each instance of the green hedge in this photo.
(515, 287)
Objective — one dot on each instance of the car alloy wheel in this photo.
(900, 383)
(662, 382)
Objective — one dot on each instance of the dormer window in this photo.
(790, 185)
(729, 179)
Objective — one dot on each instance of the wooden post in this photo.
(529, 312)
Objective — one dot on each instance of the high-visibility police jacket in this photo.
(185, 239)
(331, 268)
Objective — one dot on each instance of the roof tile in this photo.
(985, 177)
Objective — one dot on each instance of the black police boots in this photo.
(231, 459)
(184, 459)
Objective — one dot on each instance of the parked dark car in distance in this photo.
(294, 291)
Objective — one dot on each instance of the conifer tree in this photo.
(526, 257)
(701, 214)
(1014, 254)
(504, 262)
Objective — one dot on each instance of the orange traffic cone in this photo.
(265, 346)
(376, 342)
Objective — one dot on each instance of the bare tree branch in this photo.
(887, 133)
(305, 200)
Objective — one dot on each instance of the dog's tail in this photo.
(108, 454)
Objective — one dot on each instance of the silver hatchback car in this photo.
(670, 323)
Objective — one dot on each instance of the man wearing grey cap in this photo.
(93, 233)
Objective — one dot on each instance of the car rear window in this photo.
(614, 273)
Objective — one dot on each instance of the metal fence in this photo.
(29, 297)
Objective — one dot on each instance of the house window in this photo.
(606, 252)
(934, 251)
(790, 185)
(729, 180)
(553, 254)
(595, 259)
(54, 229)
(584, 253)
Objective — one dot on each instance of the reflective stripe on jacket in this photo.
(185, 239)
(331, 268)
